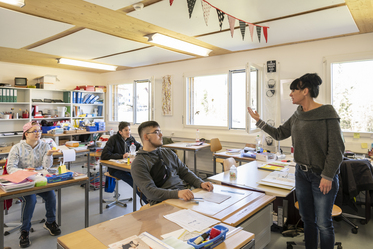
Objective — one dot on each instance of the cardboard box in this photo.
(63, 141)
(47, 82)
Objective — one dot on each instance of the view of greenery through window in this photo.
(352, 88)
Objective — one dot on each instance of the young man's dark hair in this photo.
(123, 125)
(144, 125)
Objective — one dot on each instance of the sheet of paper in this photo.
(190, 220)
(68, 155)
(18, 176)
(211, 196)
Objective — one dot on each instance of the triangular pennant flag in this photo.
(171, 2)
(251, 28)
(259, 32)
(243, 29)
(231, 21)
(191, 4)
(221, 18)
(265, 33)
(206, 11)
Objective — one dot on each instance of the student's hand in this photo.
(185, 194)
(125, 155)
(207, 186)
(50, 152)
(253, 114)
(325, 186)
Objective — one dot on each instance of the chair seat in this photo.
(108, 174)
(219, 160)
(335, 212)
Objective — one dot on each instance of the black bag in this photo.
(160, 172)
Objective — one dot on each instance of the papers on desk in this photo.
(211, 196)
(118, 160)
(279, 179)
(273, 166)
(234, 151)
(18, 176)
(194, 144)
(7, 186)
(143, 241)
(190, 220)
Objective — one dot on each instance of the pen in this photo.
(232, 192)
(198, 198)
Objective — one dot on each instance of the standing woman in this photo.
(318, 152)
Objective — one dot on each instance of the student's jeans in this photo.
(126, 177)
(28, 207)
(315, 208)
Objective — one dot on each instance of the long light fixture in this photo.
(177, 44)
(86, 64)
(19, 3)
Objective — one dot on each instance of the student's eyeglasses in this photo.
(35, 132)
(157, 132)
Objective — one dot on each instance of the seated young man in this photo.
(33, 153)
(176, 184)
(118, 147)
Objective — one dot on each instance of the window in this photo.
(123, 103)
(352, 88)
(221, 100)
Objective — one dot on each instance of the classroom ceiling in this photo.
(112, 32)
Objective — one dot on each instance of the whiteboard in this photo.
(287, 107)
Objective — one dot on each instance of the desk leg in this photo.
(86, 212)
(2, 224)
(214, 164)
(89, 169)
(57, 140)
(100, 186)
(59, 206)
(195, 162)
(367, 206)
(134, 201)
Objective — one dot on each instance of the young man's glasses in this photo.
(35, 132)
(157, 132)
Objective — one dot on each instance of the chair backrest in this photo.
(251, 145)
(228, 163)
(215, 145)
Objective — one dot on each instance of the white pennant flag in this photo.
(206, 11)
(231, 21)
(251, 28)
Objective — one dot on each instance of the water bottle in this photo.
(259, 146)
(197, 136)
(133, 149)
(111, 132)
(233, 172)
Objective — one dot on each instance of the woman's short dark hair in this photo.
(146, 124)
(310, 81)
(123, 125)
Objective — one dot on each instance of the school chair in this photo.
(116, 200)
(215, 146)
(228, 162)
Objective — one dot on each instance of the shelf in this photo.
(11, 136)
(15, 119)
(58, 118)
(44, 103)
(88, 117)
(15, 103)
(74, 104)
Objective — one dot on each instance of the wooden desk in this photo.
(52, 186)
(248, 175)
(119, 166)
(248, 209)
(56, 137)
(150, 220)
(184, 146)
(226, 155)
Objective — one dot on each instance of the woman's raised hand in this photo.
(253, 114)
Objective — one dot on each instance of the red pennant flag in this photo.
(171, 2)
(265, 33)
(191, 4)
(231, 21)
(259, 32)
(251, 28)
(206, 11)
(243, 29)
(221, 18)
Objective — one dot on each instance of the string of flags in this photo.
(206, 7)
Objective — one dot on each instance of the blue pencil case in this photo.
(60, 177)
(211, 243)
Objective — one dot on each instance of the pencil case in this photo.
(213, 242)
(60, 178)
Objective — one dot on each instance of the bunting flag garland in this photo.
(191, 4)
(221, 18)
(251, 28)
(265, 29)
(259, 32)
(243, 29)
(171, 2)
(231, 21)
(206, 11)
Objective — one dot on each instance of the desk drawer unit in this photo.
(260, 224)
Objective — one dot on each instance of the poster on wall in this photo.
(167, 95)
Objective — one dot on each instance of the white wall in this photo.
(295, 60)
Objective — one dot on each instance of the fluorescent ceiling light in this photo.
(177, 44)
(19, 3)
(86, 64)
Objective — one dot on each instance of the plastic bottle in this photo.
(197, 135)
(259, 146)
(111, 132)
(133, 149)
(233, 172)
(292, 151)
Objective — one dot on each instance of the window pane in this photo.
(142, 102)
(124, 108)
(208, 105)
(352, 87)
(253, 94)
(238, 100)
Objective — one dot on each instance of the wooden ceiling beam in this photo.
(362, 12)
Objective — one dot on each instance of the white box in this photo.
(265, 157)
(47, 82)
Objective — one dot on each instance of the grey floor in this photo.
(73, 220)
